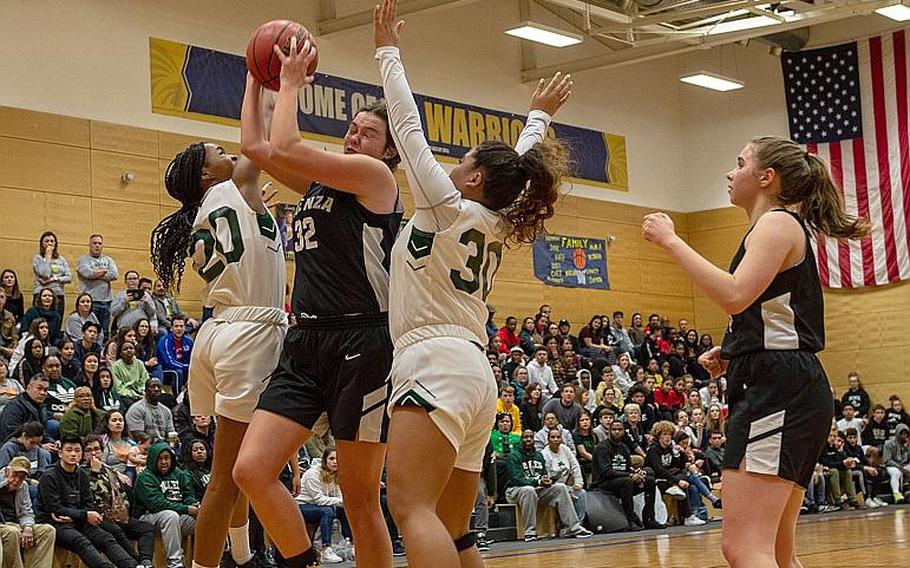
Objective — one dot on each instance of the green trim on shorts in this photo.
(412, 398)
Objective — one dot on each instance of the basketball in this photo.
(261, 59)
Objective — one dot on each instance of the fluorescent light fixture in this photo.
(546, 35)
(898, 12)
(712, 81)
(743, 24)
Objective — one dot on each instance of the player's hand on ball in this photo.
(295, 64)
(550, 95)
(658, 228)
(386, 31)
(712, 362)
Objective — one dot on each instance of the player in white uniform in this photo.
(443, 265)
(226, 228)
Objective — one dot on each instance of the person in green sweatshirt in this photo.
(164, 497)
(129, 373)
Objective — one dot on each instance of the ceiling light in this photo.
(899, 12)
(544, 34)
(712, 81)
(743, 24)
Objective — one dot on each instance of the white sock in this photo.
(240, 543)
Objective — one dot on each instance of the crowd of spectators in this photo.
(100, 451)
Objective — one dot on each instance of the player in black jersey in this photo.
(780, 402)
(335, 361)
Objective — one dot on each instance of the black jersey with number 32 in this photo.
(342, 252)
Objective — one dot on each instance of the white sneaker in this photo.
(871, 504)
(881, 502)
(328, 556)
(693, 521)
(676, 492)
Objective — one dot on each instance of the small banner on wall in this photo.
(203, 84)
(571, 262)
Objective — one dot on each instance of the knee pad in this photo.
(465, 542)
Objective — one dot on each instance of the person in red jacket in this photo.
(668, 399)
(508, 335)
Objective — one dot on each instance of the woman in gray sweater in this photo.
(51, 270)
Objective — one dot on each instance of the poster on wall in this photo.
(207, 85)
(571, 262)
(284, 215)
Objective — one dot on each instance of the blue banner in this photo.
(571, 262)
(204, 84)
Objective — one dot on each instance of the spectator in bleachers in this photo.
(494, 347)
(147, 348)
(896, 414)
(563, 467)
(197, 463)
(164, 498)
(608, 403)
(551, 422)
(608, 382)
(585, 441)
(551, 342)
(856, 395)
(507, 334)
(27, 407)
(713, 393)
(130, 376)
(837, 466)
(585, 392)
(9, 281)
(520, 380)
(670, 473)
(896, 459)
(677, 360)
(88, 343)
(693, 350)
(716, 420)
(697, 430)
(637, 437)
(202, 429)
(66, 501)
(605, 417)
(492, 329)
(503, 439)
(622, 373)
(875, 479)
(26, 442)
(60, 393)
(699, 471)
(149, 415)
(526, 336)
(515, 359)
(564, 329)
(44, 308)
(647, 412)
(174, 351)
(52, 271)
(875, 432)
(531, 407)
(681, 420)
(69, 366)
(714, 455)
(96, 272)
(592, 340)
(75, 323)
(111, 499)
(612, 474)
(23, 542)
(621, 339)
(693, 401)
(37, 329)
(88, 372)
(566, 409)
(850, 419)
(506, 403)
(111, 350)
(853, 450)
(540, 372)
(636, 332)
(132, 304)
(31, 362)
(82, 418)
(106, 396)
(529, 486)
(10, 388)
(166, 308)
(321, 501)
(564, 370)
(116, 444)
(9, 331)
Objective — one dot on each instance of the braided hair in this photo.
(173, 236)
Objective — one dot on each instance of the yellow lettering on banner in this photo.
(305, 99)
(460, 131)
(494, 130)
(506, 135)
(340, 113)
(515, 129)
(325, 101)
(439, 122)
(475, 121)
(551, 133)
(357, 101)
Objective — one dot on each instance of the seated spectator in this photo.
(713, 394)
(111, 499)
(668, 399)
(88, 372)
(172, 512)
(605, 418)
(896, 414)
(130, 376)
(149, 416)
(174, 351)
(562, 467)
(506, 403)
(32, 362)
(116, 444)
(636, 438)
(492, 328)
(854, 451)
(564, 371)
(697, 429)
(539, 371)
(591, 341)
(531, 408)
(876, 479)
(111, 350)
(669, 467)
(9, 282)
(147, 349)
(528, 486)
(166, 308)
(60, 393)
(27, 407)
(320, 501)
(550, 422)
(138, 457)
(836, 467)
(716, 420)
(494, 346)
(583, 382)
(584, 440)
(23, 542)
(613, 474)
(815, 499)
(520, 384)
(693, 401)
(66, 501)
(75, 323)
(44, 308)
(27, 443)
(856, 395)
(197, 465)
(10, 388)
(875, 433)
(88, 342)
(132, 304)
(515, 360)
(608, 403)
(504, 441)
(82, 418)
(714, 455)
(526, 336)
(69, 366)
(681, 420)
(647, 411)
(608, 383)
(896, 459)
(202, 429)
(677, 360)
(622, 371)
(565, 408)
(850, 419)
(9, 329)
(106, 396)
(698, 477)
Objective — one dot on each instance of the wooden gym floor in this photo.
(878, 538)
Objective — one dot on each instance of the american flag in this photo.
(849, 104)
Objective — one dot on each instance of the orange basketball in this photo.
(261, 59)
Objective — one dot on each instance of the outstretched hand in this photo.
(386, 31)
(296, 64)
(550, 95)
(658, 228)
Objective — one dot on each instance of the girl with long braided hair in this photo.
(225, 227)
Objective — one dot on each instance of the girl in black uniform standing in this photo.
(780, 401)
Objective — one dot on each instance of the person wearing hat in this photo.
(515, 360)
(23, 543)
(564, 327)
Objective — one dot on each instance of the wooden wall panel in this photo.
(44, 166)
(44, 127)
(108, 169)
(66, 215)
(124, 139)
(124, 224)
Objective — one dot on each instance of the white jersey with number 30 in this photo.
(237, 252)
